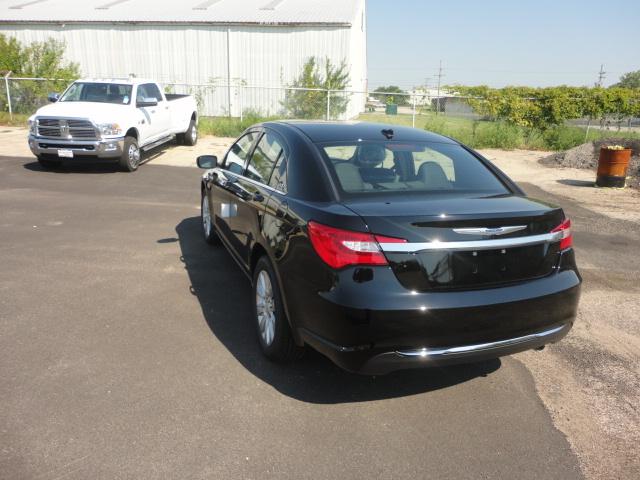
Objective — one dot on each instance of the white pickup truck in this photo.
(110, 119)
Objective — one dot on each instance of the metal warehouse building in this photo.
(232, 44)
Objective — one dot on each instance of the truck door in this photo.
(151, 127)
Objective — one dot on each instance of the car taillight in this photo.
(339, 248)
(566, 240)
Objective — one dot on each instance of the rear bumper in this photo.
(431, 357)
(103, 148)
(376, 327)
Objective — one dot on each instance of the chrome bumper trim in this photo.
(477, 348)
(472, 245)
(103, 148)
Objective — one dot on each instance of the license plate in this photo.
(65, 153)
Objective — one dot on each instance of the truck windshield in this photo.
(98, 92)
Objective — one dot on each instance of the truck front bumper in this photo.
(102, 148)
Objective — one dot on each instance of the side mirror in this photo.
(147, 102)
(53, 97)
(207, 161)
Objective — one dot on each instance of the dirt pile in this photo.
(586, 156)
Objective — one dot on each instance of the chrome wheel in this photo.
(206, 216)
(194, 134)
(265, 308)
(134, 155)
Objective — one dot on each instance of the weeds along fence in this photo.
(445, 113)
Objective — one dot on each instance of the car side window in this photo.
(264, 158)
(141, 93)
(279, 176)
(239, 152)
(154, 92)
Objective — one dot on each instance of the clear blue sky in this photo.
(497, 43)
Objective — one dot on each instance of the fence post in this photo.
(6, 84)
(413, 117)
(328, 102)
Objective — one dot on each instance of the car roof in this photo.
(323, 131)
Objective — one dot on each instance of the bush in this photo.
(38, 59)
(312, 104)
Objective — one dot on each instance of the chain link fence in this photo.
(418, 108)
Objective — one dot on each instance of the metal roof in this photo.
(227, 12)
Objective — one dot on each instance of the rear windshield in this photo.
(98, 92)
(364, 168)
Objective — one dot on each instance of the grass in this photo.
(18, 120)
(487, 134)
(475, 133)
(229, 126)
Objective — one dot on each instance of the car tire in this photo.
(131, 155)
(190, 137)
(47, 163)
(208, 230)
(274, 332)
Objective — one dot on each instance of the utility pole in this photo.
(601, 76)
(440, 75)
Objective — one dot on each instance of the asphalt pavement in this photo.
(127, 350)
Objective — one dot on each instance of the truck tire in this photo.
(190, 137)
(48, 163)
(130, 158)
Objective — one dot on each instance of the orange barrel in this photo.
(612, 167)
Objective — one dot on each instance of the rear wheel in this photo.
(190, 137)
(130, 158)
(274, 333)
(48, 163)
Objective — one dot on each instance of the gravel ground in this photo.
(586, 156)
(590, 382)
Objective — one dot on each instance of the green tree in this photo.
(629, 80)
(385, 94)
(307, 97)
(40, 60)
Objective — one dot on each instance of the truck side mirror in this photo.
(147, 102)
(53, 97)
(207, 161)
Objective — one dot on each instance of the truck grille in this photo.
(66, 128)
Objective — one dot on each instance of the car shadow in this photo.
(224, 294)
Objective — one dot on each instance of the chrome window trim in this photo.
(473, 245)
(454, 351)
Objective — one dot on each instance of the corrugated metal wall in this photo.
(194, 54)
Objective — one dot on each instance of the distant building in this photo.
(242, 42)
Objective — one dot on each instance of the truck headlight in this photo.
(32, 126)
(109, 129)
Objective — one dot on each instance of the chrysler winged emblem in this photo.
(489, 231)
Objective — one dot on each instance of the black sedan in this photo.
(386, 247)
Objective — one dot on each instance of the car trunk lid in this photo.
(465, 242)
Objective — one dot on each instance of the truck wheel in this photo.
(130, 158)
(190, 137)
(48, 163)
(274, 333)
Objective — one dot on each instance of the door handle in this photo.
(258, 197)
